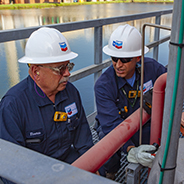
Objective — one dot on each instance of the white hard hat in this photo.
(125, 42)
(47, 45)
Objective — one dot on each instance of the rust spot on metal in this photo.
(128, 126)
(120, 125)
(128, 121)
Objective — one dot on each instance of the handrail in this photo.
(23, 33)
(84, 72)
(22, 165)
(142, 70)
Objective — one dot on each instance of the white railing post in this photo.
(156, 37)
(97, 52)
(97, 49)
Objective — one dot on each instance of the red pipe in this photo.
(157, 109)
(91, 160)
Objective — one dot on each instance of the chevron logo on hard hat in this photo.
(63, 46)
(117, 44)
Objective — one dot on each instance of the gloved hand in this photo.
(139, 155)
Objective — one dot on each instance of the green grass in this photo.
(154, 1)
(46, 5)
(27, 6)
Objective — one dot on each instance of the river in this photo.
(82, 41)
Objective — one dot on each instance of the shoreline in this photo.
(51, 5)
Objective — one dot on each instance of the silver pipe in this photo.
(142, 82)
(169, 176)
(142, 71)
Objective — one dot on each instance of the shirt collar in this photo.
(40, 98)
(122, 81)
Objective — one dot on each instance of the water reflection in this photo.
(81, 41)
(34, 17)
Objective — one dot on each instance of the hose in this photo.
(174, 93)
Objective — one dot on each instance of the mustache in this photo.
(64, 79)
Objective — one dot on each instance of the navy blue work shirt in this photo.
(26, 118)
(110, 97)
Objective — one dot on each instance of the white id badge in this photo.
(71, 110)
(147, 86)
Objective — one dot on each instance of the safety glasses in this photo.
(123, 60)
(60, 70)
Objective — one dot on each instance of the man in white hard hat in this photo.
(117, 91)
(44, 111)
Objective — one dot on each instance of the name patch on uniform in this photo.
(147, 86)
(71, 110)
(34, 133)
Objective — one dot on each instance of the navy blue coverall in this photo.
(110, 99)
(26, 119)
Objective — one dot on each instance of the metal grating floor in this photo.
(120, 176)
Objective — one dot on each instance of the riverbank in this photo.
(50, 5)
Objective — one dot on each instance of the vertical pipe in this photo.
(157, 109)
(168, 176)
(142, 82)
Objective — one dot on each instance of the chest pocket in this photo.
(35, 140)
(73, 123)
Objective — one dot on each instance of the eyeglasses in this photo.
(123, 60)
(60, 70)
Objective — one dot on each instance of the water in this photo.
(82, 41)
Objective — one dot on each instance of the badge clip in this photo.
(60, 116)
(133, 93)
(123, 110)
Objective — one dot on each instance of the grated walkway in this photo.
(120, 176)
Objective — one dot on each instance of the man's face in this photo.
(125, 70)
(52, 81)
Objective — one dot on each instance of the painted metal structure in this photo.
(124, 131)
(133, 174)
(24, 166)
(111, 143)
(7, 154)
(170, 129)
(142, 69)
(157, 102)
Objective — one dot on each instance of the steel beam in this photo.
(23, 33)
(24, 166)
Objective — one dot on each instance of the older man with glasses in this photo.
(117, 91)
(44, 111)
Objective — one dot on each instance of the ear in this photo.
(34, 72)
(138, 58)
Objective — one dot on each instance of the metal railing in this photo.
(96, 69)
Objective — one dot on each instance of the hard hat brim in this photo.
(122, 54)
(47, 60)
